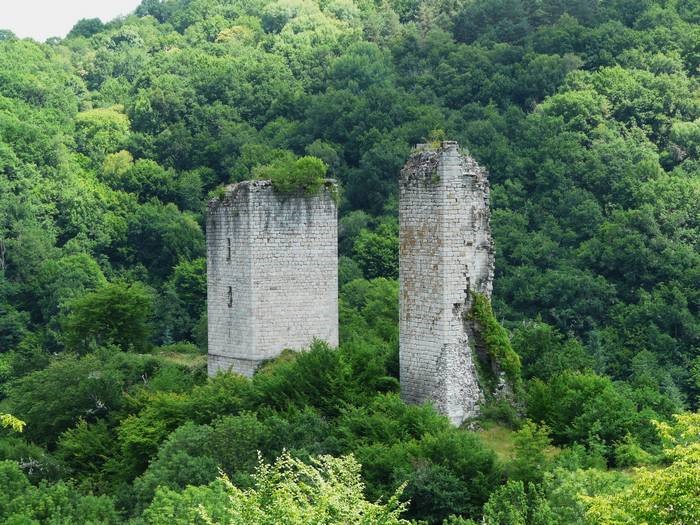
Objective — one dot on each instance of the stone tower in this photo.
(446, 253)
(272, 272)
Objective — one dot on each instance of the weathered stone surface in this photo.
(272, 274)
(446, 253)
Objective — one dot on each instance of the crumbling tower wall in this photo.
(446, 253)
(272, 274)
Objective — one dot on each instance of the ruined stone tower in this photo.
(272, 272)
(446, 253)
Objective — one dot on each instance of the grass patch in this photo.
(501, 440)
(498, 438)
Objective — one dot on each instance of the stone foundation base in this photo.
(217, 363)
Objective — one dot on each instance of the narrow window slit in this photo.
(228, 249)
(230, 297)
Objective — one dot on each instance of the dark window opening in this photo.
(230, 297)
(228, 249)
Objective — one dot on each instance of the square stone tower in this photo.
(272, 273)
(446, 253)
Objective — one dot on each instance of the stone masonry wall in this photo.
(446, 252)
(272, 272)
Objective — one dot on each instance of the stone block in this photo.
(272, 274)
(446, 253)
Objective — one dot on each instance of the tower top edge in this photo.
(425, 159)
(231, 191)
(442, 149)
(444, 145)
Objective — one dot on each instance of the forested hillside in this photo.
(586, 114)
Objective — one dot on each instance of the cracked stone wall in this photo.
(446, 252)
(272, 274)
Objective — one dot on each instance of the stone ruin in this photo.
(272, 273)
(272, 263)
(446, 254)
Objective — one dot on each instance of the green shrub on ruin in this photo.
(305, 175)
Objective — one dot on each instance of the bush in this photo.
(462, 475)
(628, 453)
(304, 433)
(306, 175)
(139, 435)
(435, 492)
(377, 252)
(222, 395)
(119, 313)
(387, 420)
(38, 464)
(85, 449)
(661, 496)
(584, 408)
(185, 458)
(450, 471)
(55, 398)
(512, 504)
(545, 352)
(319, 378)
(530, 446)
(21, 502)
(500, 411)
(329, 490)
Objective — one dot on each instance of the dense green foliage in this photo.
(501, 356)
(586, 114)
(667, 495)
(327, 491)
(302, 175)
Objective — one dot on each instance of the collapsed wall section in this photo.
(272, 267)
(446, 253)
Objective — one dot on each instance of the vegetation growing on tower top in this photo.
(305, 174)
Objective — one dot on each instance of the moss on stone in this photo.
(496, 339)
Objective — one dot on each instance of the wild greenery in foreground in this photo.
(587, 115)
